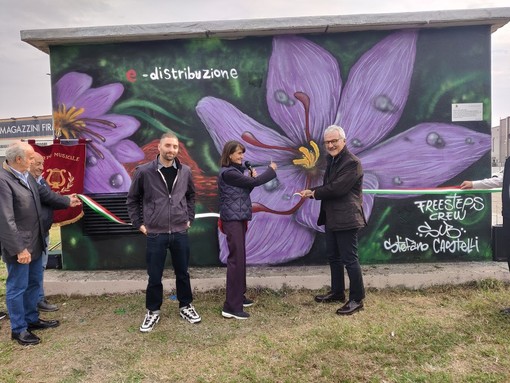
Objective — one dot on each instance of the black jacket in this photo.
(505, 195)
(341, 193)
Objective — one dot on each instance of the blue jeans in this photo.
(157, 246)
(44, 257)
(22, 293)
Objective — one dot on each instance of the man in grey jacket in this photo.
(22, 239)
(161, 204)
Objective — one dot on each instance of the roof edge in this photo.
(42, 39)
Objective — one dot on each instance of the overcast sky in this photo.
(25, 83)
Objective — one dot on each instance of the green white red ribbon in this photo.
(446, 190)
(101, 210)
(105, 213)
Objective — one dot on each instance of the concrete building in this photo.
(412, 91)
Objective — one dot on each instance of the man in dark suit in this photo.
(22, 239)
(505, 199)
(342, 214)
(37, 170)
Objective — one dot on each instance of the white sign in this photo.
(30, 128)
(467, 112)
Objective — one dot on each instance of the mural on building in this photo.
(392, 92)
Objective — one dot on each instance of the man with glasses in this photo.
(342, 214)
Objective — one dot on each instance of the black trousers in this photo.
(342, 247)
(236, 265)
(506, 236)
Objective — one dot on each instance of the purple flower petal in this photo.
(263, 247)
(70, 87)
(377, 89)
(298, 65)
(277, 193)
(126, 151)
(426, 155)
(308, 213)
(105, 175)
(97, 101)
(124, 126)
(224, 122)
(370, 182)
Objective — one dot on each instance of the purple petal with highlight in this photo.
(377, 89)
(264, 248)
(124, 126)
(70, 87)
(426, 155)
(224, 122)
(298, 65)
(98, 101)
(106, 175)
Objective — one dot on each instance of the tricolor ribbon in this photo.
(445, 190)
(101, 210)
(105, 213)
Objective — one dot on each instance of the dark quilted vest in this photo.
(235, 202)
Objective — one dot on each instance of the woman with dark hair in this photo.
(235, 212)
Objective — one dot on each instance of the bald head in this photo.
(37, 167)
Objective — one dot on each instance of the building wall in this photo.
(415, 105)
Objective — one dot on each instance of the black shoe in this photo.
(247, 302)
(236, 315)
(43, 324)
(3, 314)
(350, 308)
(25, 338)
(505, 311)
(46, 306)
(330, 297)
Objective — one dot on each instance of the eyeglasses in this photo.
(332, 142)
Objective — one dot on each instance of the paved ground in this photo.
(413, 276)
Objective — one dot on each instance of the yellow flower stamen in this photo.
(310, 156)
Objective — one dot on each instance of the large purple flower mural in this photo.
(80, 111)
(305, 94)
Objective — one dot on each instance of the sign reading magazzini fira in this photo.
(12, 129)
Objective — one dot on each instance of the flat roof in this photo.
(42, 39)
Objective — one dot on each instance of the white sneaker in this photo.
(150, 320)
(190, 314)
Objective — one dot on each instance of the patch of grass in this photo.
(441, 334)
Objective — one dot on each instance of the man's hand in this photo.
(74, 200)
(466, 185)
(143, 229)
(306, 193)
(24, 257)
